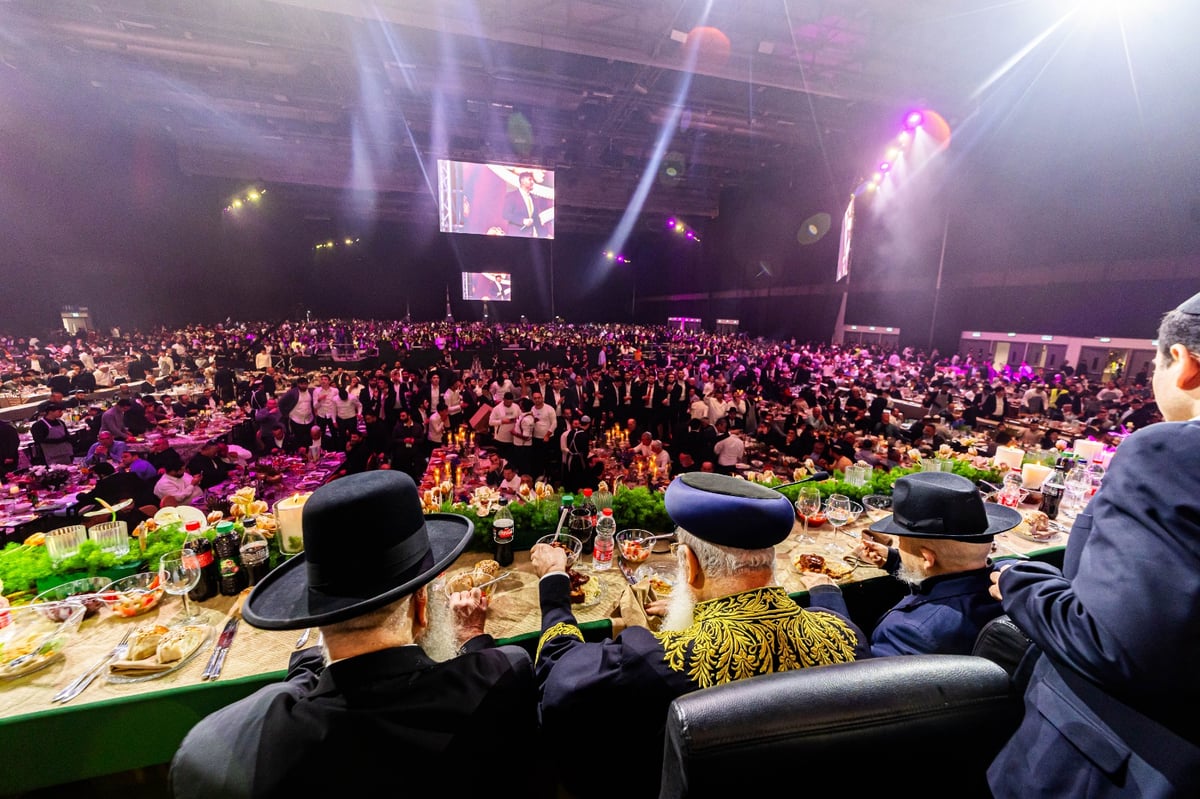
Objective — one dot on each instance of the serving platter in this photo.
(122, 678)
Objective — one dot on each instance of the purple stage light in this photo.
(671, 222)
(885, 166)
(914, 120)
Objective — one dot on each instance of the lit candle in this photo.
(1087, 449)
(289, 512)
(1009, 457)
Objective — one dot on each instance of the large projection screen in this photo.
(495, 199)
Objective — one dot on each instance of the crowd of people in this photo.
(402, 677)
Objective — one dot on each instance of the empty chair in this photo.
(929, 724)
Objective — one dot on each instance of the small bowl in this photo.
(133, 595)
(31, 640)
(632, 550)
(877, 506)
(570, 543)
(90, 587)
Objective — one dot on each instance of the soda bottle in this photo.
(605, 541)
(197, 541)
(1053, 488)
(503, 528)
(227, 547)
(255, 555)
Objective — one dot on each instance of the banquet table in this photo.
(129, 726)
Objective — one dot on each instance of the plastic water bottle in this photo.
(605, 543)
(1010, 494)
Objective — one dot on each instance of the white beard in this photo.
(680, 610)
(437, 639)
(913, 575)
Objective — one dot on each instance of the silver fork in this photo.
(84, 680)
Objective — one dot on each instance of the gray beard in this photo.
(913, 575)
(680, 610)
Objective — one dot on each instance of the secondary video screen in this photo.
(495, 199)
(492, 286)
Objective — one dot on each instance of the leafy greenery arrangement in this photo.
(22, 565)
(639, 507)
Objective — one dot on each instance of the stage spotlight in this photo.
(671, 222)
(237, 204)
(609, 254)
(691, 235)
(254, 196)
(914, 120)
(680, 227)
(884, 166)
(892, 153)
(905, 138)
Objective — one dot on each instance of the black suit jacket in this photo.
(368, 714)
(515, 213)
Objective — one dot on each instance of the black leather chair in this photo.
(925, 724)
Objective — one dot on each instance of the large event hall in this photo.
(544, 259)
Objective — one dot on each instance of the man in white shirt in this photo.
(502, 421)
(324, 398)
(728, 449)
(175, 486)
(545, 422)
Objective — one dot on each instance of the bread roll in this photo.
(461, 582)
(179, 643)
(144, 641)
(489, 567)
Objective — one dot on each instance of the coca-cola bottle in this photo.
(210, 575)
(1053, 488)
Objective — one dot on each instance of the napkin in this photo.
(631, 608)
(139, 666)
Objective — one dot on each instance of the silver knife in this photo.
(222, 643)
(215, 671)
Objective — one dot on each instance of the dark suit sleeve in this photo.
(1125, 613)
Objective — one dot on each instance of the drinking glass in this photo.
(808, 502)
(178, 572)
(840, 510)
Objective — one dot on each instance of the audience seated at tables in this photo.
(208, 466)
(105, 450)
(175, 486)
(115, 486)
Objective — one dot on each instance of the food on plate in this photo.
(128, 599)
(484, 571)
(662, 586)
(1039, 522)
(816, 564)
(578, 581)
(180, 642)
(144, 641)
(488, 567)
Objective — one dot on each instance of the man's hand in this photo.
(994, 590)
(468, 610)
(872, 552)
(547, 559)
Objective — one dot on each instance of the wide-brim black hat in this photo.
(944, 505)
(366, 544)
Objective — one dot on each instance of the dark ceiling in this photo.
(322, 99)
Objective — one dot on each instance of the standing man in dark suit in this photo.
(522, 209)
(1110, 709)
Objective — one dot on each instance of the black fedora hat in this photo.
(366, 544)
(944, 505)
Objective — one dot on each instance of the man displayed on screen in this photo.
(523, 210)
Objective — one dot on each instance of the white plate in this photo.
(187, 513)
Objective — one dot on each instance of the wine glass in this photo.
(840, 510)
(178, 573)
(808, 502)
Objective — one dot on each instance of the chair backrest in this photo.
(1003, 642)
(861, 725)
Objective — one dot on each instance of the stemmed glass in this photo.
(840, 510)
(808, 502)
(178, 573)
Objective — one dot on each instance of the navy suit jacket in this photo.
(1111, 707)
